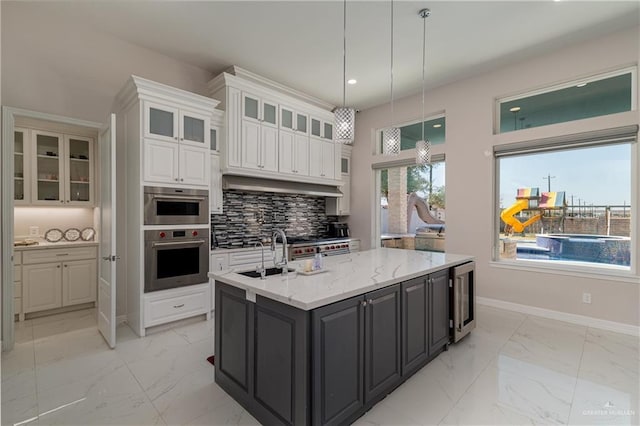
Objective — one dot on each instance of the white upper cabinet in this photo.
(322, 158)
(215, 189)
(342, 206)
(171, 124)
(62, 169)
(270, 131)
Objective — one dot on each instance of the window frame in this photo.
(633, 70)
(618, 135)
(378, 134)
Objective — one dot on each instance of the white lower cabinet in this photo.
(49, 283)
(42, 287)
(161, 307)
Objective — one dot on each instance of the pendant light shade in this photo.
(344, 117)
(423, 147)
(391, 135)
(391, 141)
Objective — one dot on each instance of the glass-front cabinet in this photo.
(21, 181)
(79, 162)
(172, 124)
(47, 168)
(62, 169)
(259, 110)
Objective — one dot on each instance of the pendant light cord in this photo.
(344, 55)
(424, 54)
(391, 63)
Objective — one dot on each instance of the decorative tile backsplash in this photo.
(250, 217)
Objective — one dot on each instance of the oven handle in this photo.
(178, 243)
(178, 197)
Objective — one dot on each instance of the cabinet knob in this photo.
(58, 266)
(364, 303)
(181, 180)
(178, 306)
(371, 301)
(181, 139)
(175, 137)
(62, 201)
(66, 266)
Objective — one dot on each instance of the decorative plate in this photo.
(87, 234)
(72, 234)
(53, 235)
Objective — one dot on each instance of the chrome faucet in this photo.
(260, 268)
(283, 261)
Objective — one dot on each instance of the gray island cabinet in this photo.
(323, 349)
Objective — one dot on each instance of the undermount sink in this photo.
(268, 272)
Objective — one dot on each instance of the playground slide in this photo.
(507, 216)
(423, 210)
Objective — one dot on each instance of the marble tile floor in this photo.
(512, 369)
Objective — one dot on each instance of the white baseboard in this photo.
(618, 327)
(120, 319)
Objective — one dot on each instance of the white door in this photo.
(160, 161)
(269, 147)
(107, 267)
(194, 165)
(286, 152)
(251, 156)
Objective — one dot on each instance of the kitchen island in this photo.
(325, 348)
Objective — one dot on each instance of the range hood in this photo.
(244, 183)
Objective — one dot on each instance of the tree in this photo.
(419, 179)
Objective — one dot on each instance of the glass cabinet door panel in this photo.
(269, 114)
(286, 118)
(213, 139)
(251, 107)
(315, 127)
(18, 165)
(344, 165)
(79, 170)
(301, 123)
(48, 167)
(193, 129)
(328, 131)
(161, 122)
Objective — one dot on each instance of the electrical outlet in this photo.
(34, 231)
(586, 297)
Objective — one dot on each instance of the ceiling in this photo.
(299, 43)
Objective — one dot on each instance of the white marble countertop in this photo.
(44, 244)
(346, 276)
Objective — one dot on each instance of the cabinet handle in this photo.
(62, 254)
(178, 306)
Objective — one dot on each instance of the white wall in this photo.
(77, 71)
(46, 218)
(468, 106)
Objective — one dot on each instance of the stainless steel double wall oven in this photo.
(175, 256)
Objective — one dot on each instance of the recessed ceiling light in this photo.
(437, 125)
(352, 81)
(514, 109)
(581, 85)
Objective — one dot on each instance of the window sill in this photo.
(573, 269)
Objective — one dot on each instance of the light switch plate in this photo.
(34, 231)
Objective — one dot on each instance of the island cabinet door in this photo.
(415, 331)
(233, 345)
(281, 369)
(382, 348)
(338, 354)
(438, 283)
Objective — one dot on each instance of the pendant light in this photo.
(345, 117)
(391, 135)
(423, 146)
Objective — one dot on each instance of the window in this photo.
(412, 201)
(596, 96)
(567, 200)
(434, 130)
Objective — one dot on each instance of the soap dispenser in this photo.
(317, 260)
